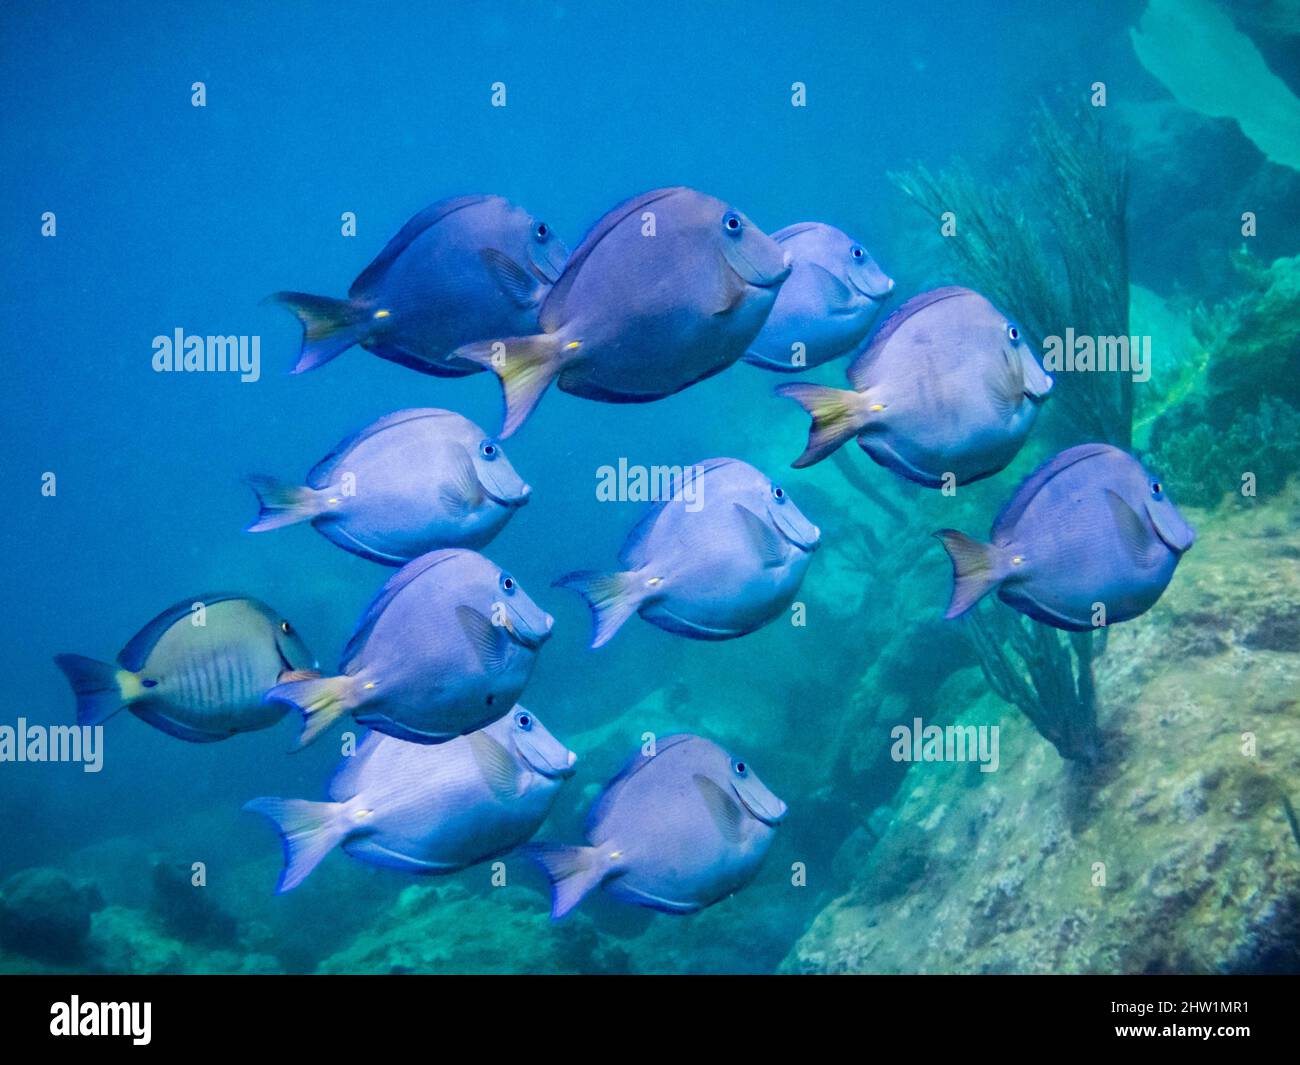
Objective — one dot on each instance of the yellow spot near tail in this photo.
(1016, 560)
(616, 854)
(382, 314)
(368, 685)
(876, 408)
(572, 344)
(653, 581)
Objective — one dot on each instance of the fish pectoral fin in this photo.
(490, 642)
(288, 676)
(732, 293)
(1008, 390)
(463, 492)
(724, 810)
(511, 278)
(836, 295)
(1140, 542)
(496, 765)
(762, 537)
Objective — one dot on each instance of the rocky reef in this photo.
(1177, 852)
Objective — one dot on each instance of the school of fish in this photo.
(668, 288)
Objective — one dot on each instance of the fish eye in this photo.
(507, 583)
(858, 252)
(731, 223)
(524, 720)
(542, 232)
(488, 449)
(286, 628)
(739, 768)
(778, 493)
(1013, 332)
(1157, 489)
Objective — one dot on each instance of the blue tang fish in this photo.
(827, 304)
(947, 385)
(445, 648)
(198, 671)
(428, 809)
(412, 482)
(676, 832)
(460, 270)
(722, 557)
(667, 289)
(1088, 527)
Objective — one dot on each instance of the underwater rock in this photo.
(1173, 855)
(1186, 43)
(190, 912)
(46, 915)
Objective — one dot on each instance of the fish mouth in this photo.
(753, 276)
(512, 501)
(1170, 537)
(545, 766)
(874, 297)
(807, 544)
(525, 635)
(771, 816)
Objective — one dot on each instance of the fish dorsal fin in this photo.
(782, 235)
(633, 555)
(347, 781)
(462, 493)
(762, 537)
(390, 591)
(724, 810)
(319, 476)
(552, 314)
(418, 224)
(490, 642)
(511, 278)
(891, 325)
(496, 765)
(1140, 541)
(1010, 514)
(605, 800)
(836, 295)
(135, 653)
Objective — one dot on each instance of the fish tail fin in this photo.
(329, 326)
(838, 415)
(308, 832)
(612, 597)
(974, 573)
(525, 367)
(97, 686)
(281, 504)
(574, 872)
(320, 700)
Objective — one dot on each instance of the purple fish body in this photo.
(1090, 538)
(723, 556)
(946, 387)
(446, 648)
(677, 832)
(826, 306)
(428, 809)
(412, 482)
(667, 289)
(461, 270)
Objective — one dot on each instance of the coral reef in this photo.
(1175, 854)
